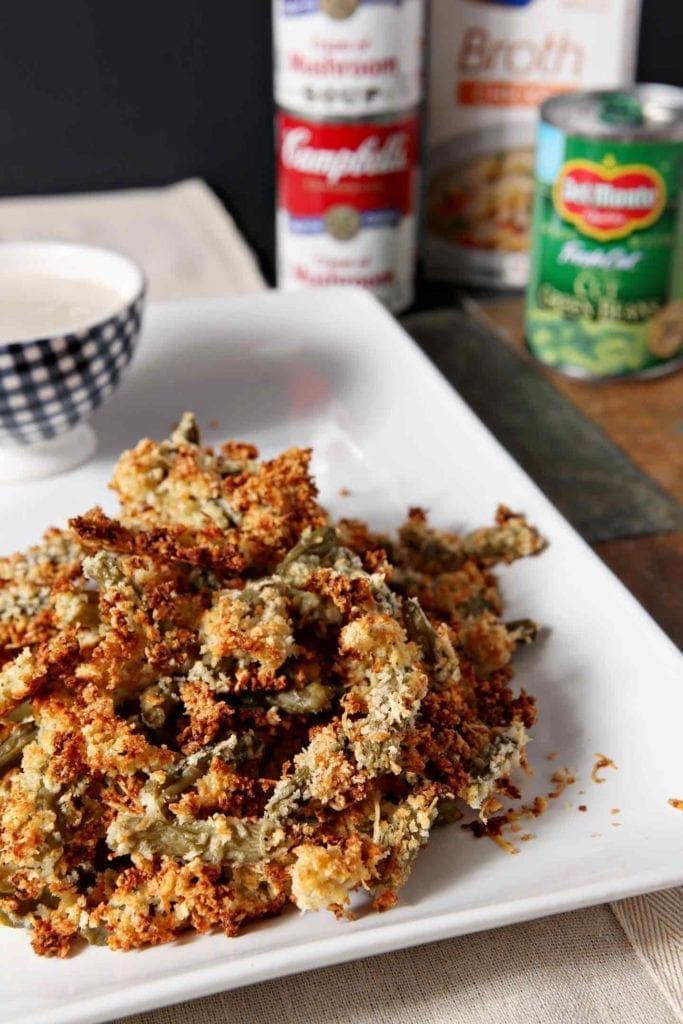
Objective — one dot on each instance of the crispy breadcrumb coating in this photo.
(219, 702)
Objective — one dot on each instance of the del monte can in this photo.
(605, 295)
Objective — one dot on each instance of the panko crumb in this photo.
(562, 778)
(601, 761)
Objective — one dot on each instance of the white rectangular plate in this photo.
(333, 370)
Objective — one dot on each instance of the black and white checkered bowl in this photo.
(49, 385)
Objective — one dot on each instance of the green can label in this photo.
(606, 283)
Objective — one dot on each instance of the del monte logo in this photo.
(609, 202)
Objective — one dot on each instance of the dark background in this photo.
(103, 95)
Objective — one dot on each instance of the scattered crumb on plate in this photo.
(561, 778)
(601, 761)
(494, 828)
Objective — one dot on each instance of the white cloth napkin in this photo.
(622, 965)
(573, 969)
(181, 235)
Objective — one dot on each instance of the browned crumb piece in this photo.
(601, 761)
(385, 901)
(582, 807)
(553, 755)
(496, 827)
(676, 803)
(504, 844)
(538, 807)
(29, 673)
(615, 810)
(562, 778)
(53, 937)
(207, 549)
(344, 492)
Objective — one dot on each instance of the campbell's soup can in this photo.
(605, 296)
(346, 202)
(348, 58)
(492, 63)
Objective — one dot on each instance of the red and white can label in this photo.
(346, 205)
(348, 57)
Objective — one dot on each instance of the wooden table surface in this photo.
(645, 420)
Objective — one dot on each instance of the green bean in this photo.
(448, 811)
(522, 631)
(309, 700)
(515, 539)
(475, 606)
(8, 920)
(96, 936)
(187, 772)
(187, 431)
(419, 628)
(103, 568)
(11, 748)
(20, 713)
(158, 702)
(317, 544)
(494, 762)
(216, 840)
(437, 649)
(185, 777)
(426, 549)
(6, 887)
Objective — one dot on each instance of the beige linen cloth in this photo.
(618, 965)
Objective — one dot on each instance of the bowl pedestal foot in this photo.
(20, 463)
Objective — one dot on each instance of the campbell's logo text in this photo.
(371, 158)
(608, 202)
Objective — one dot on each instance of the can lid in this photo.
(622, 108)
(641, 113)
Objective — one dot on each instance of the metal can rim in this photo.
(388, 117)
(553, 109)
